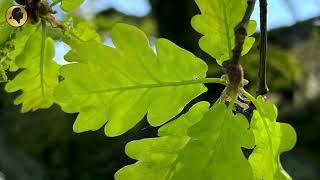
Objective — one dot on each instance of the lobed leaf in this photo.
(5, 32)
(5, 48)
(85, 32)
(19, 42)
(5, 29)
(118, 86)
(272, 139)
(12, 41)
(4, 6)
(156, 154)
(217, 22)
(38, 79)
(210, 150)
(3, 76)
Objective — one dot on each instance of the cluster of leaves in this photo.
(12, 42)
(205, 143)
(6, 44)
(117, 86)
(5, 61)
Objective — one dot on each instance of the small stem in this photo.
(214, 80)
(262, 83)
(42, 54)
(233, 67)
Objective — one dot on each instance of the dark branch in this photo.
(262, 83)
(233, 67)
(241, 31)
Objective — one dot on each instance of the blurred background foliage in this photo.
(41, 145)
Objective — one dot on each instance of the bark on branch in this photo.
(241, 31)
(233, 67)
(262, 83)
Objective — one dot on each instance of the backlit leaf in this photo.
(12, 41)
(38, 79)
(19, 42)
(217, 22)
(211, 150)
(272, 139)
(70, 5)
(118, 86)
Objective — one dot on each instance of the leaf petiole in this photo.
(250, 97)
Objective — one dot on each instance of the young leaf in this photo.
(5, 47)
(4, 6)
(39, 77)
(84, 31)
(69, 5)
(217, 22)
(5, 29)
(211, 150)
(272, 139)
(10, 48)
(19, 42)
(156, 155)
(3, 76)
(122, 84)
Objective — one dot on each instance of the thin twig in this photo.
(262, 83)
(233, 67)
(241, 31)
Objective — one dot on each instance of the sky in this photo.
(280, 13)
(138, 8)
(288, 12)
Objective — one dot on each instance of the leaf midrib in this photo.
(156, 85)
(42, 54)
(226, 25)
(265, 124)
(259, 109)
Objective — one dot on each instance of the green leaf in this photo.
(122, 84)
(39, 78)
(4, 6)
(211, 150)
(12, 42)
(85, 32)
(272, 139)
(19, 43)
(217, 22)
(5, 32)
(70, 5)
(5, 47)
(5, 29)
(156, 154)
(3, 76)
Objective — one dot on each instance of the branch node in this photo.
(234, 69)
